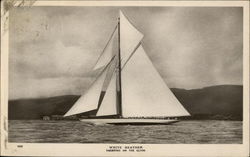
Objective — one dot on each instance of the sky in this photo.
(53, 49)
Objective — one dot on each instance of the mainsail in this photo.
(130, 85)
(145, 93)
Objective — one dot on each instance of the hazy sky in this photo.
(53, 49)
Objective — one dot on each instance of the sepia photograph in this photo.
(125, 75)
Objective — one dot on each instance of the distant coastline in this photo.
(223, 102)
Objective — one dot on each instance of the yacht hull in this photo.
(124, 121)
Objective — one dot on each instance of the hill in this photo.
(215, 102)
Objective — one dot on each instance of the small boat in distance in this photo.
(128, 90)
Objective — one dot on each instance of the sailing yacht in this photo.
(128, 90)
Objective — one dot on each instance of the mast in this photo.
(118, 77)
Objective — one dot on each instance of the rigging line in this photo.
(106, 44)
(131, 54)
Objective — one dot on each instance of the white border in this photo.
(48, 149)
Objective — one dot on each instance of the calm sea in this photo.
(203, 131)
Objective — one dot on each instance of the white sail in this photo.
(108, 105)
(89, 101)
(109, 51)
(111, 68)
(130, 37)
(144, 93)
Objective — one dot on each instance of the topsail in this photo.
(130, 38)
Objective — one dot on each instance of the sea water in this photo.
(183, 132)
